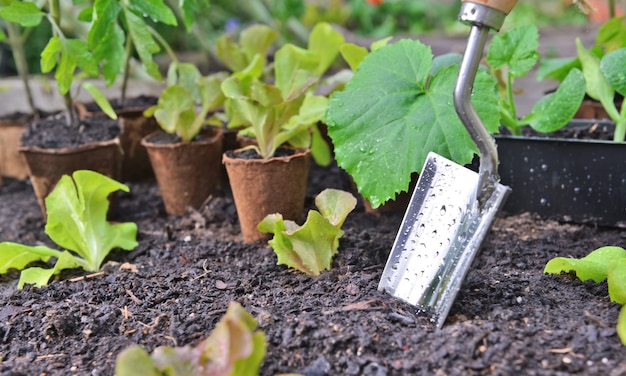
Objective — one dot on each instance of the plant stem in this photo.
(620, 126)
(620, 130)
(17, 47)
(510, 122)
(55, 12)
(165, 45)
(125, 77)
(611, 8)
(511, 99)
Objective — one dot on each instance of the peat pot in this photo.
(572, 180)
(134, 127)
(267, 186)
(11, 163)
(47, 164)
(187, 172)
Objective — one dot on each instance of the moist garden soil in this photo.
(53, 132)
(509, 317)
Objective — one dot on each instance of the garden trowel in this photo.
(452, 207)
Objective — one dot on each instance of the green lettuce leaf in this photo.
(41, 276)
(594, 266)
(76, 211)
(254, 41)
(310, 248)
(234, 348)
(77, 218)
(18, 256)
(617, 280)
(621, 325)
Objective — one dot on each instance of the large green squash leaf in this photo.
(393, 112)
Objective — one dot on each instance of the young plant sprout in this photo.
(606, 263)
(234, 348)
(513, 54)
(77, 209)
(310, 248)
(286, 111)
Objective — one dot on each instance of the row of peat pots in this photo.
(189, 173)
(578, 180)
(48, 148)
(135, 149)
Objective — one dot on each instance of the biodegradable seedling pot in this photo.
(135, 126)
(572, 180)
(51, 148)
(11, 163)
(47, 165)
(187, 172)
(267, 186)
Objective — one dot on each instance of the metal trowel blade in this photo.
(440, 234)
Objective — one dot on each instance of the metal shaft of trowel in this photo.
(482, 19)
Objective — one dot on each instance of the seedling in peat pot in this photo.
(77, 209)
(189, 97)
(234, 348)
(310, 248)
(604, 263)
(287, 111)
(513, 54)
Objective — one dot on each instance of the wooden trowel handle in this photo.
(504, 6)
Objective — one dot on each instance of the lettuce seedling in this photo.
(76, 209)
(353, 54)
(513, 54)
(247, 57)
(310, 248)
(604, 263)
(396, 109)
(286, 111)
(234, 347)
(183, 106)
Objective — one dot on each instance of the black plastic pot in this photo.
(572, 180)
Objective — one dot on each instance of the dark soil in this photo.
(252, 154)
(54, 133)
(508, 319)
(163, 138)
(578, 129)
(142, 101)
